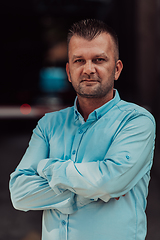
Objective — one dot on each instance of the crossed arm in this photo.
(40, 182)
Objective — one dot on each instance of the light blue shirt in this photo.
(74, 170)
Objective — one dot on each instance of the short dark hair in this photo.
(90, 29)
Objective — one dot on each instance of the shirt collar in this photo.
(99, 112)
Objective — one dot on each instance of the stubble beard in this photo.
(95, 90)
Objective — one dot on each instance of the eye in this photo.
(99, 60)
(78, 60)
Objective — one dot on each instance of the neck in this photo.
(88, 105)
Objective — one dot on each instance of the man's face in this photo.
(92, 67)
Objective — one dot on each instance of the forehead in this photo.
(103, 43)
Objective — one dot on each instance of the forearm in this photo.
(29, 191)
(96, 184)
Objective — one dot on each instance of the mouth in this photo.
(90, 80)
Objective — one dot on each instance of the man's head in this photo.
(93, 62)
(90, 29)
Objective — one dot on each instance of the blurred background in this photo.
(33, 81)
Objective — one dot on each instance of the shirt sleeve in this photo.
(127, 161)
(29, 190)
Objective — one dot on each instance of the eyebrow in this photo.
(98, 55)
(75, 56)
(102, 55)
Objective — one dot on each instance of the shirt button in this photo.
(99, 116)
(63, 222)
(80, 131)
(127, 157)
(74, 152)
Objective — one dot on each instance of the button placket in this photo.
(80, 131)
(73, 152)
(63, 222)
(63, 227)
(77, 141)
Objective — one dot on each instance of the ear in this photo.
(119, 67)
(68, 72)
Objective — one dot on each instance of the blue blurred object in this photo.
(53, 80)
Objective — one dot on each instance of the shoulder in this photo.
(61, 114)
(135, 111)
(51, 121)
(134, 122)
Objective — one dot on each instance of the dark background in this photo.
(30, 28)
(29, 31)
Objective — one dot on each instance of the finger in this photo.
(117, 198)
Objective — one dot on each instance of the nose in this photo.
(89, 68)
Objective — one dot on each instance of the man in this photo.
(82, 159)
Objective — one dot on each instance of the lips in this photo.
(90, 80)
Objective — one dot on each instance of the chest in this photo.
(84, 142)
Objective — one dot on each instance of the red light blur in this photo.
(25, 109)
